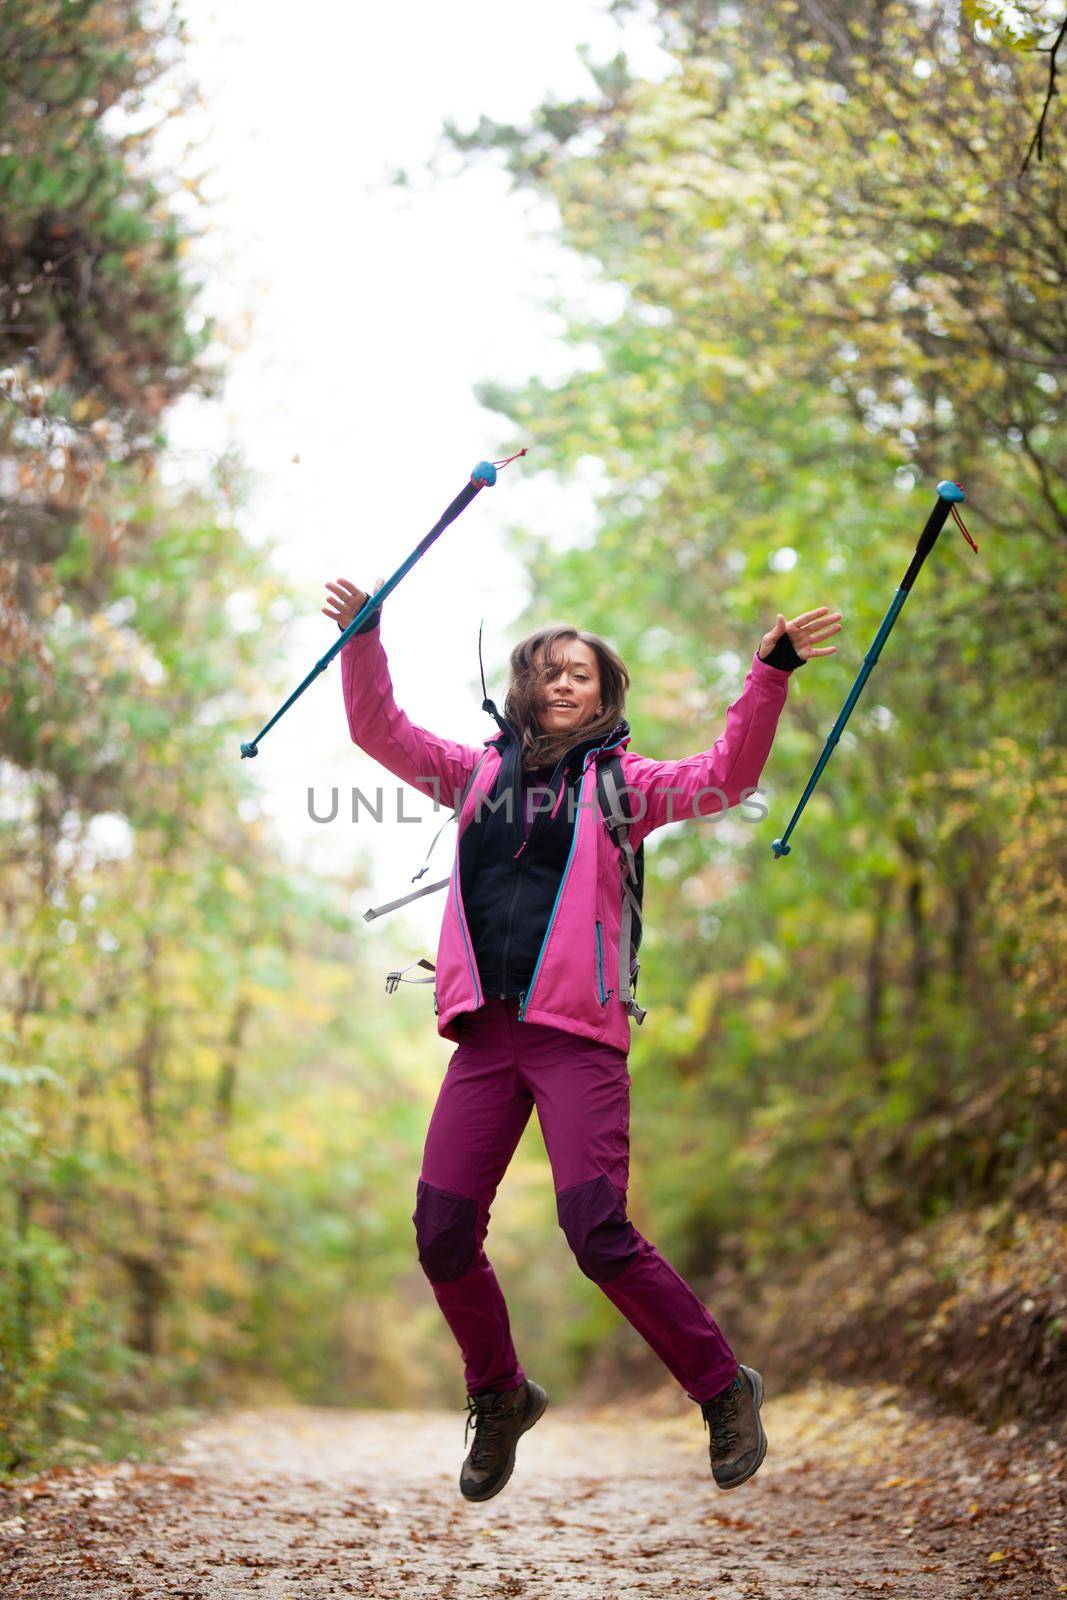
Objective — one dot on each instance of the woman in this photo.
(527, 986)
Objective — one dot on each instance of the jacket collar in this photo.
(508, 735)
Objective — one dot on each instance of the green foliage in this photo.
(1016, 26)
(98, 328)
(90, 252)
(196, 1128)
(201, 1137)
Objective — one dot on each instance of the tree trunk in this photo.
(227, 1079)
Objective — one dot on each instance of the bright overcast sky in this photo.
(373, 312)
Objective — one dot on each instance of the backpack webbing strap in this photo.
(430, 888)
(391, 905)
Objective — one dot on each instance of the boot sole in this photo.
(757, 1385)
(540, 1403)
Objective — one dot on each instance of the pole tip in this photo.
(250, 749)
(950, 491)
(484, 473)
(780, 849)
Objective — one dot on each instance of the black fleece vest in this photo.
(509, 883)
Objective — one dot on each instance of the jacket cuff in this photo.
(783, 656)
(366, 627)
(764, 672)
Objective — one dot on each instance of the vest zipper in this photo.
(518, 870)
(507, 926)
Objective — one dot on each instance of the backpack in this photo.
(610, 790)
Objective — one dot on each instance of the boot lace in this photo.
(719, 1413)
(487, 1415)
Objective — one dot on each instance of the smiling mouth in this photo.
(563, 705)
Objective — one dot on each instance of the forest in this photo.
(840, 261)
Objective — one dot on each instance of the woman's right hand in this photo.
(346, 601)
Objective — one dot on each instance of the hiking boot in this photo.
(738, 1442)
(499, 1416)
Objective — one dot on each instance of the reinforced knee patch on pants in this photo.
(593, 1217)
(445, 1228)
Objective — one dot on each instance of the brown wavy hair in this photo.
(527, 683)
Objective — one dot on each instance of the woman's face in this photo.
(572, 697)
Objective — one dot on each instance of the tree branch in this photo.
(1038, 140)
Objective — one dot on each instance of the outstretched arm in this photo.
(436, 767)
(715, 779)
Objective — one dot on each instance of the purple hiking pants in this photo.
(499, 1071)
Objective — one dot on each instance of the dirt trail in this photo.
(860, 1494)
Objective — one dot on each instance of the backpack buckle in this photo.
(393, 978)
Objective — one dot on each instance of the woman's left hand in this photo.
(805, 632)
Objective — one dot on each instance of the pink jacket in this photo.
(563, 991)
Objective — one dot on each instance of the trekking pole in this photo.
(483, 474)
(948, 493)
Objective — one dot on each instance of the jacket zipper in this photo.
(604, 997)
(472, 968)
(525, 995)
